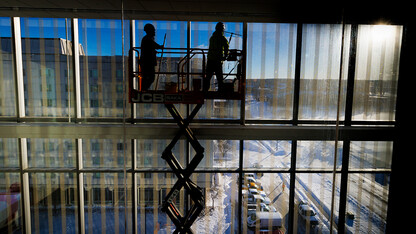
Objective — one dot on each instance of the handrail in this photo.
(182, 57)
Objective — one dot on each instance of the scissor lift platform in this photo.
(183, 93)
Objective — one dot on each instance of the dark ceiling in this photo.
(213, 10)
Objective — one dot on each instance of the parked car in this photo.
(252, 185)
(253, 191)
(255, 199)
(267, 200)
(249, 175)
(251, 180)
(307, 213)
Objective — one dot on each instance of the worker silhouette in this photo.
(217, 53)
(148, 56)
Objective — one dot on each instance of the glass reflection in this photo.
(101, 67)
(51, 153)
(10, 203)
(107, 202)
(47, 61)
(106, 153)
(9, 155)
(7, 73)
(53, 202)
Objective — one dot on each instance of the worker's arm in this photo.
(157, 46)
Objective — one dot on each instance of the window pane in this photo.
(10, 203)
(367, 203)
(219, 154)
(51, 153)
(9, 155)
(47, 61)
(318, 154)
(267, 154)
(377, 72)
(149, 153)
(53, 202)
(271, 52)
(321, 57)
(106, 153)
(7, 75)
(105, 200)
(313, 194)
(100, 65)
(371, 155)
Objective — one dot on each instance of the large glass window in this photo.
(320, 71)
(106, 199)
(376, 75)
(267, 154)
(51, 153)
(106, 153)
(101, 67)
(9, 154)
(149, 153)
(367, 202)
(120, 177)
(318, 154)
(7, 77)
(47, 56)
(313, 192)
(271, 52)
(53, 202)
(11, 203)
(371, 155)
(219, 154)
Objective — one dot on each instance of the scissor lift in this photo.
(183, 93)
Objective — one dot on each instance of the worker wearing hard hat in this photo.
(217, 53)
(148, 56)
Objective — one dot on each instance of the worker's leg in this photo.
(148, 74)
(209, 73)
(219, 75)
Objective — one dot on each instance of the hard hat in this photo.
(149, 28)
(220, 26)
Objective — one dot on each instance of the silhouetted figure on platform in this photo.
(217, 53)
(148, 56)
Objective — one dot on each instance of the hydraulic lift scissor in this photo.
(185, 93)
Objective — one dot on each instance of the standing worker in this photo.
(217, 53)
(148, 56)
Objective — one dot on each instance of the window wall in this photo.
(301, 79)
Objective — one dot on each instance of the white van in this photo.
(265, 220)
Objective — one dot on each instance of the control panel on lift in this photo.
(179, 78)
